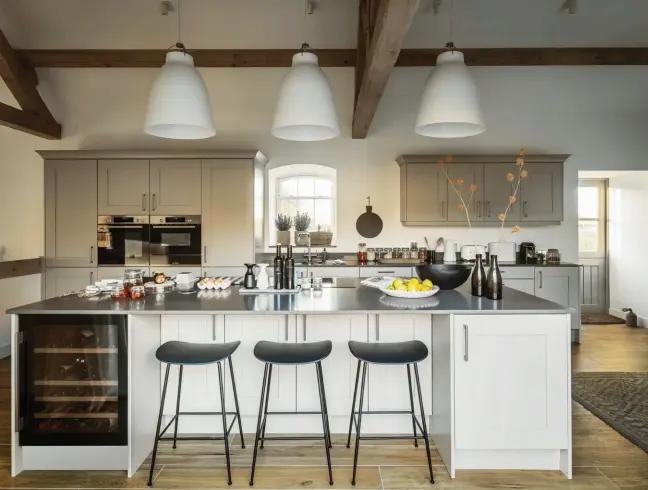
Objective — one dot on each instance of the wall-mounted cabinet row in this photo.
(427, 198)
(224, 191)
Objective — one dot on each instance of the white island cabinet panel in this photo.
(339, 368)
(200, 391)
(388, 384)
(511, 382)
(250, 329)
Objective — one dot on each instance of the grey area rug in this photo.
(618, 399)
(600, 319)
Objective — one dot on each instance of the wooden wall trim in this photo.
(483, 158)
(18, 268)
(145, 154)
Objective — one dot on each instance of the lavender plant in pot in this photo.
(302, 223)
(283, 222)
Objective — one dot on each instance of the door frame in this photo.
(587, 260)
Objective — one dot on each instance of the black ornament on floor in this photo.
(369, 224)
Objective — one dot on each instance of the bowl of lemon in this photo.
(411, 288)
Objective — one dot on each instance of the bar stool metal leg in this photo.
(409, 385)
(236, 403)
(258, 431)
(159, 425)
(355, 393)
(265, 410)
(328, 425)
(426, 438)
(357, 441)
(327, 441)
(223, 410)
(177, 414)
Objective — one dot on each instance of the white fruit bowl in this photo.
(410, 295)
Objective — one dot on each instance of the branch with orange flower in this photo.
(462, 206)
(519, 162)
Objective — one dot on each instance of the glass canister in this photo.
(371, 255)
(406, 252)
(421, 254)
(362, 253)
(132, 277)
(389, 253)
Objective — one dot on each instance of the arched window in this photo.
(305, 189)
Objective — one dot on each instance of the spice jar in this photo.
(132, 277)
(136, 292)
(397, 253)
(362, 253)
(389, 253)
(371, 255)
(117, 292)
(421, 254)
(406, 252)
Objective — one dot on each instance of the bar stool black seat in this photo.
(408, 353)
(195, 354)
(272, 353)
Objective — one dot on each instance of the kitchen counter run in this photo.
(334, 300)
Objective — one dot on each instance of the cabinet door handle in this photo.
(91, 277)
(205, 254)
(524, 209)
(213, 328)
(386, 272)
(286, 336)
(481, 209)
(377, 329)
(540, 278)
(154, 202)
(465, 328)
(304, 327)
(488, 208)
(91, 254)
(443, 210)
(143, 202)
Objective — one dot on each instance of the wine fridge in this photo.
(73, 380)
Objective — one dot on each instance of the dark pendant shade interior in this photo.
(369, 224)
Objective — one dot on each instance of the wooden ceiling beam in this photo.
(279, 58)
(28, 122)
(387, 33)
(21, 79)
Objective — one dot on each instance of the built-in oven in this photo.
(123, 240)
(176, 240)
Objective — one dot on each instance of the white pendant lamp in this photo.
(450, 106)
(305, 110)
(178, 106)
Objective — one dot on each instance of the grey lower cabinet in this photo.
(387, 271)
(63, 280)
(123, 187)
(71, 213)
(520, 278)
(427, 198)
(175, 187)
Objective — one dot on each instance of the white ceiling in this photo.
(130, 24)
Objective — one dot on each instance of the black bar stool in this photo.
(409, 353)
(188, 354)
(292, 354)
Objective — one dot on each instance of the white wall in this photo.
(628, 235)
(598, 114)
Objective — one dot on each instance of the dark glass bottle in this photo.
(278, 269)
(494, 280)
(478, 277)
(289, 270)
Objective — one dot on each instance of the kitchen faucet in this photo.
(307, 234)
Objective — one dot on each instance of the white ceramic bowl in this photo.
(411, 295)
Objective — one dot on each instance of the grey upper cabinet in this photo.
(175, 187)
(61, 281)
(424, 193)
(541, 193)
(228, 214)
(497, 191)
(71, 213)
(123, 187)
(471, 173)
(427, 198)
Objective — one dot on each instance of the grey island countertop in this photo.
(360, 299)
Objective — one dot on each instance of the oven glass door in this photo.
(123, 244)
(175, 245)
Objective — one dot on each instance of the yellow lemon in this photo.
(428, 283)
(397, 282)
(412, 288)
(400, 287)
(426, 288)
(414, 280)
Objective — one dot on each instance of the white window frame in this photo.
(278, 174)
(601, 185)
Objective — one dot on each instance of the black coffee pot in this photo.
(249, 281)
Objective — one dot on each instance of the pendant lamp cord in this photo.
(305, 47)
(179, 46)
(450, 46)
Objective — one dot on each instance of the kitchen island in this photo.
(496, 386)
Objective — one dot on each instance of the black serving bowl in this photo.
(446, 276)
